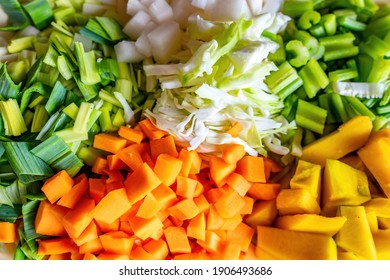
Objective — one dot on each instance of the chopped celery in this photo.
(351, 24)
(296, 8)
(308, 19)
(313, 77)
(297, 54)
(342, 75)
(310, 116)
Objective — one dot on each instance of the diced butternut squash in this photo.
(355, 236)
(311, 223)
(338, 143)
(252, 168)
(167, 168)
(382, 244)
(375, 156)
(293, 245)
(8, 232)
(307, 176)
(296, 201)
(343, 185)
(48, 220)
(177, 240)
(263, 214)
(78, 218)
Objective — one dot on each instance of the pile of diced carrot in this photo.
(150, 199)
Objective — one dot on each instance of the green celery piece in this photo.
(351, 24)
(343, 75)
(279, 56)
(314, 78)
(380, 71)
(40, 13)
(318, 31)
(17, 17)
(11, 115)
(383, 110)
(378, 26)
(324, 102)
(56, 98)
(351, 112)
(69, 162)
(8, 89)
(50, 149)
(281, 78)
(40, 118)
(308, 19)
(329, 22)
(10, 214)
(87, 63)
(296, 8)
(360, 107)
(290, 107)
(338, 107)
(375, 47)
(364, 65)
(112, 28)
(339, 46)
(27, 166)
(297, 54)
(310, 116)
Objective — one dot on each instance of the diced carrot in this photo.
(201, 203)
(112, 256)
(108, 227)
(185, 209)
(167, 168)
(140, 253)
(71, 198)
(48, 220)
(164, 145)
(185, 187)
(158, 248)
(213, 195)
(115, 163)
(59, 257)
(8, 232)
(271, 166)
(231, 251)
(235, 129)
(94, 247)
(264, 191)
(229, 204)
(149, 207)
(150, 130)
(78, 218)
(79, 178)
(112, 206)
(100, 164)
(97, 188)
(213, 243)
(232, 153)
(109, 143)
(89, 257)
(131, 134)
(165, 196)
(131, 156)
(57, 186)
(191, 162)
(114, 186)
(114, 176)
(177, 240)
(117, 242)
(241, 235)
(141, 182)
(220, 170)
(197, 227)
(90, 233)
(58, 245)
(237, 182)
(248, 207)
(252, 168)
(144, 228)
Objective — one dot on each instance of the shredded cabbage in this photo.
(222, 83)
(362, 90)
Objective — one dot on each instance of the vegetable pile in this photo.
(194, 129)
